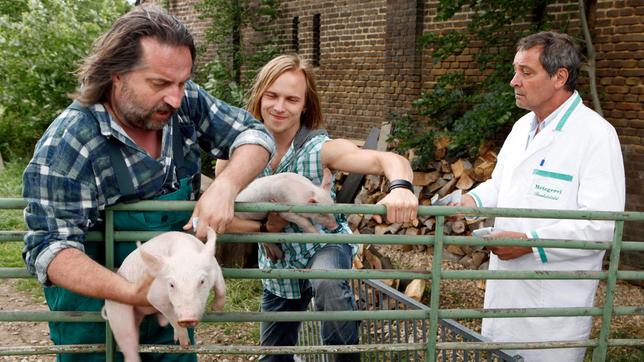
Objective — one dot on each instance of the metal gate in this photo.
(434, 339)
(376, 295)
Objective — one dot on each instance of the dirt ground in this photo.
(21, 333)
(454, 293)
(469, 294)
(37, 333)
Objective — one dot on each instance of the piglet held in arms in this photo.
(290, 188)
(185, 270)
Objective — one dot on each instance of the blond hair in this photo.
(312, 115)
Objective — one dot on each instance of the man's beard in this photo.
(139, 117)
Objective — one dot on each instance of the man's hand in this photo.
(72, 269)
(466, 201)
(402, 206)
(215, 208)
(274, 223)
(140, 290)
(508, 252)
(273, 251)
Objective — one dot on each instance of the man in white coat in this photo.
(561, 155)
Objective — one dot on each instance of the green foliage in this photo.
(11, 252)
(230, 74)
(11, 187)
(242, 295)
(462, 111)
(220, 83)
(458, 108)
(41, 43)
(13, 9)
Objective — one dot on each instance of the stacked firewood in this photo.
(444, 180)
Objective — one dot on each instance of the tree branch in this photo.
(592, 79)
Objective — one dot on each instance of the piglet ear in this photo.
(153, 263)
(211, 242)
(326, 180)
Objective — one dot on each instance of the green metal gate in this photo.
(376, 295)
(432, 315)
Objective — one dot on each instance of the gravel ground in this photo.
(37, 333)
(467, 294)
(21, 333)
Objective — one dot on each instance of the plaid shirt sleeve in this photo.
(221, 128)
(61, 195)
(70, 178)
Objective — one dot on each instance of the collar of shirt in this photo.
(110, 127)
(534, 125)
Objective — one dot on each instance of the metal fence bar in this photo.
(388, 274)
(435, 289)
(439, 240)
(599, 354)
(44, 316)
(407, 274)
(150, 205)
(369, 322)
(94, 236)
(110, 345)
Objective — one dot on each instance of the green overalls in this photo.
(60, 299)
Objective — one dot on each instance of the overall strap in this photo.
(304, 134)
(177, 150)
(123, 178)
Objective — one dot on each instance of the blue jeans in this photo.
(329, 294)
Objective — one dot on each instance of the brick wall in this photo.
(370, 69)
(185, 10)
(619, 39)
(618, 36)
(402, 62)
(350, 74)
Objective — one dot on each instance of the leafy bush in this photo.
(220, 83)
(460, 109)
(229, 75)
(41, 43)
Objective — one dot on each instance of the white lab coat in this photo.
(574, 164)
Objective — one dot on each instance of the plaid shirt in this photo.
(306, 162)
(70, 179)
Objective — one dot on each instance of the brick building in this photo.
(369, 68)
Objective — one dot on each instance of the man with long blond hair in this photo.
(134, 133)
(285, 99)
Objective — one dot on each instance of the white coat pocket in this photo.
(549, 189)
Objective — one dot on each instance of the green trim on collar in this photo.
(566, 115)
(556, 175)
(478, 201)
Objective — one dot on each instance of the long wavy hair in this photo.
(118, 51)
(312, 115)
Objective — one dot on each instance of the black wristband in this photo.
(263, 228)
(394, 184)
